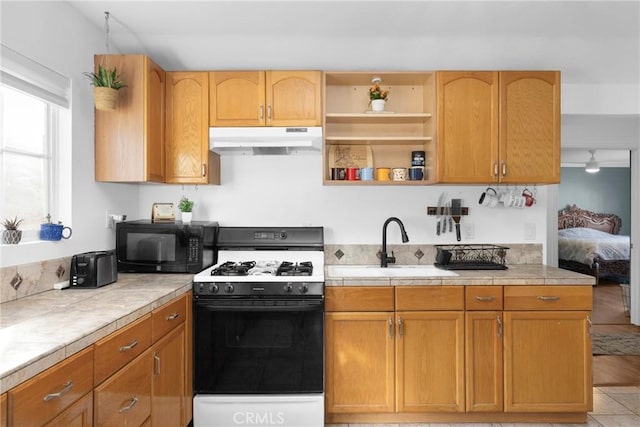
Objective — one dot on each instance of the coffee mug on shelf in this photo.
(353, 174)
(383, 174)
(416, 173)
(399, 174)
(338, 174)
(366, 174)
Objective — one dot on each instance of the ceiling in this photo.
(592, 42)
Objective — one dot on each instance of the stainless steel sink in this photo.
(390, 271)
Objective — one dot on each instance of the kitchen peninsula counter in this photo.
(38, 331)
(517, 274)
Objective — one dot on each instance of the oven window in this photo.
(153, 247)
(258, 351)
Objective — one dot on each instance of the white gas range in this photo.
(259, 329)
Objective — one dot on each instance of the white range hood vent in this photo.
(265, 140)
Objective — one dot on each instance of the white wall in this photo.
(288, 190)
(54, 35)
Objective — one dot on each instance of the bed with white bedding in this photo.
(589, 242)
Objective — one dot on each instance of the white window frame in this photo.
(25, 75)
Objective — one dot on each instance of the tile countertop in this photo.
(38, 331)
(521, 274)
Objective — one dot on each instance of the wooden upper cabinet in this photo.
(530, 127)
(294, 98)
(265, 98)
(237, 98)
(498, 127)
(467, 126)
(189, 160)
(129, 142)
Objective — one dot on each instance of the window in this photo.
(33, 119)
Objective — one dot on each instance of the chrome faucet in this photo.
(384, 259)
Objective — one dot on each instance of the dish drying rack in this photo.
(471, 257)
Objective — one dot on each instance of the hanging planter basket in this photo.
(105, 98)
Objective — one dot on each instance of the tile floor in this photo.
(612, 407)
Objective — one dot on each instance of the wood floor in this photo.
(608, 317)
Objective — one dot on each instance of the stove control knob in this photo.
(288, 288)
(304, 288)
(200, 288)
(228, 288)
(213, 288)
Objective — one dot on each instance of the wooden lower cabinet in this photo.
(483, 361)
(80, 414)
(524, 357)
(360, 362)
(3, 410)
(547, 361)
(168, 380)
(430, 361)
(124, 399)
(48, 394)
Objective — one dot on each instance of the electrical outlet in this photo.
(530, 231)
(468, 231)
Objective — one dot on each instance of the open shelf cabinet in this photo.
(406, 125)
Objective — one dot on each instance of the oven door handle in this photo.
(306, 306)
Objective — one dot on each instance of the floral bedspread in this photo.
(584, 244)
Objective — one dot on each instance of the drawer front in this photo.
(483, 298)
(548, 298)
(125, 398)
(41, 398)
(430, 298)
(359, 298)
(168, 316)
(121, 347)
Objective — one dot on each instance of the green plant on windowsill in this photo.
(11, 235)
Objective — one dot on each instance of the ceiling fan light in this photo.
(592, 166)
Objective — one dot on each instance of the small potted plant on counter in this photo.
(11, 235)
(106, 84)
(185, 206)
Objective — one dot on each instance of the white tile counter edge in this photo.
(41, 330)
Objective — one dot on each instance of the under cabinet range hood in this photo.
(265, 140)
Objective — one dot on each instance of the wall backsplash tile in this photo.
(418, 254)
(19, 281)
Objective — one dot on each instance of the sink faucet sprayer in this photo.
(384, 259)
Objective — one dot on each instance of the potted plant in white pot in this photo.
(106, 84)
(186, 206)
(11, 235)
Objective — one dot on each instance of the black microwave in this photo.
(143, 246)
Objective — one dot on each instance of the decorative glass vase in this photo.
(377, 105)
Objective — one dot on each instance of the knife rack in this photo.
(433, 210)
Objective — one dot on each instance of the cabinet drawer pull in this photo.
(67, 387)
(391, 327)
(172, 316)
(131, 404)
(488, 298)
(204, 169)
(548, 298)
(504, 168)
(400, 327)
(495, 168)
(128, 347)
(269, 113)
(261, 112)
(156, 359)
